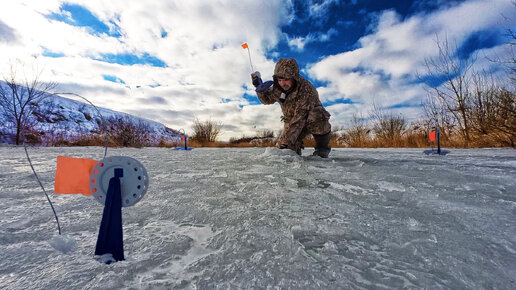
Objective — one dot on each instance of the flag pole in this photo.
(244, 46)
(438, 141)
(252, 69)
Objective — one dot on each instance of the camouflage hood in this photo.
(287, 68)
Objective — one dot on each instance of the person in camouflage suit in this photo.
(303, 112)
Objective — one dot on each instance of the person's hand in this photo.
(256, 78)
(264, 86)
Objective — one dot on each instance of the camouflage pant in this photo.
(295, 132)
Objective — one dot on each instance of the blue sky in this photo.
(174, 61)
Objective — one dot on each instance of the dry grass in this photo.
(410, 139)
(165, 144)
(350, 138)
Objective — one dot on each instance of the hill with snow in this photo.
(58, 117)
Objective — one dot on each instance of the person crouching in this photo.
(303, 112)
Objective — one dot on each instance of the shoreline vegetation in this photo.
(347, 138)
(379, 130)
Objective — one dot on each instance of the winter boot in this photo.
(322, 147)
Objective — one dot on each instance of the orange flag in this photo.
(432, 136)
(244, 46)
(73, 174)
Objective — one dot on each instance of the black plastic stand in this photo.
(110, 239)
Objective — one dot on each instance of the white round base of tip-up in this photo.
(134, 183)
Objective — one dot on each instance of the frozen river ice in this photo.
(265, 218)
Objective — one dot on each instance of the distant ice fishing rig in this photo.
(114, 181)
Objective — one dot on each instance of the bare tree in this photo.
(358, 134)
(493, 110)
(266, 133)
(483, 102)
(438, 116)
(18, 95)
(388, 127)
(127, 133)
(206, 131)
(508, 59)
(452, 74)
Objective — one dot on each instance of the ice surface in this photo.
(267, 218)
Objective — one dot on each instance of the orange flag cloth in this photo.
(244, 46)
(432, 136)
(73, 174)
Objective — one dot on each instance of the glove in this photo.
(263, 86)
(256, 78)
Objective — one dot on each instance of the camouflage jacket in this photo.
(297, 103)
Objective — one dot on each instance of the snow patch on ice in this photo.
(349, 188)
(389, 186)
(189, 243)
(106, 259)
(63, 243)
(220, 174)
(281, 156)
(282, 153)
(200, 235)
(415, 226)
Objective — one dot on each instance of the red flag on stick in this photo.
(244, 46)
(73, 174)
(432, 136)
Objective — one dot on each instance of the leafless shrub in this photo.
(83, 140)
(207, 131)
(416, 136)
(265, 136)
(388, 127)
(358, 135)
(493, 113)
(19, 95)
(126, 133)
(452, 75)
(167, 144)
(266, 133)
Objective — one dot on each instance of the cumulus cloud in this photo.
(298, 43)
(6, 33)
(383, 68)
(198, 41)
(205, 72)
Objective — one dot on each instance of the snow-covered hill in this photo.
(60, 117)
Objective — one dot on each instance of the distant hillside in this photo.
(66, 119)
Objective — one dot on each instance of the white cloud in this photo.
(320, 9)
(205, 62)
(383, 69)
(298, 43)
